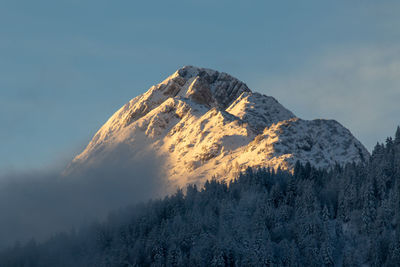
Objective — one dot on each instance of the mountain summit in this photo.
(203, 123)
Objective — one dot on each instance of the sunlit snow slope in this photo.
(202, 123)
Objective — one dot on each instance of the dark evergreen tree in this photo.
(345, 216)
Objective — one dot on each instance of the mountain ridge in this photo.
(205, 123)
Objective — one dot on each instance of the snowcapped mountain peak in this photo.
(188, 72)
(259, 110)
(205, 86)
(205, 123)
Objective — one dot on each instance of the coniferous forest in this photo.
(346, 216)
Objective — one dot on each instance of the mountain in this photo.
(202, 123)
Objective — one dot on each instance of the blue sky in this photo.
(66, 66)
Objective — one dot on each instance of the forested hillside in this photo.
(347, 216)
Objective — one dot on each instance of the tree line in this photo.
(345, 216)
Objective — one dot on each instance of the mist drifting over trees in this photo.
(40, 204)
(347, 216)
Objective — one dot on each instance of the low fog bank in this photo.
(37, 205)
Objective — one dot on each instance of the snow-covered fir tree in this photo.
(345, 216)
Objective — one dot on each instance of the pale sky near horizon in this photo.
(67, 66)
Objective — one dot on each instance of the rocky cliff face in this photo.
(205, 123)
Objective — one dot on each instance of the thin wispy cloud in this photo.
(358, 86)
